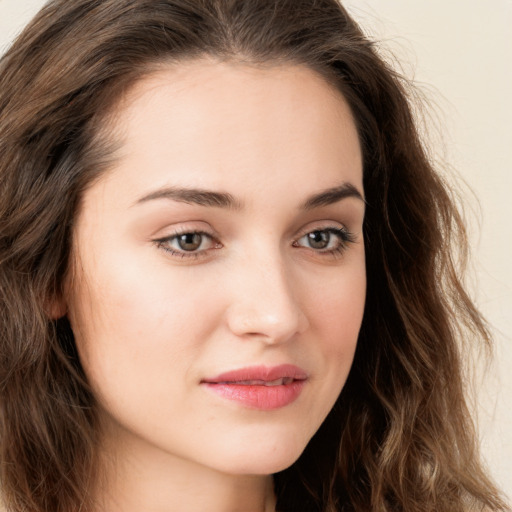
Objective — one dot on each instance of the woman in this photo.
(226, 280)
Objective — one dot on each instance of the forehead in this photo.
(228, 122)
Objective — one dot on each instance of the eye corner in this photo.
(331, 240)
(200, 244)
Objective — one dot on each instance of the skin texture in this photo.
(150, 325)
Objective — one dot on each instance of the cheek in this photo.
(338, 306)
(336, 314)
(129, 325)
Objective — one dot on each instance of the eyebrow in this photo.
(197, 196)
(332, 195)
(212, 198)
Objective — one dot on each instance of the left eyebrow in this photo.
(331, 196)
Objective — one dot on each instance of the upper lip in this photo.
(261, 373)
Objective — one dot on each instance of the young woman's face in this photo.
(218, 278)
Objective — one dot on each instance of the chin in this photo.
(262, 458)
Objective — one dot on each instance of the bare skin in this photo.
(170, 289)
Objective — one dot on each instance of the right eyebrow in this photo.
(197, 196)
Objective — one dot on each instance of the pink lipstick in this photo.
(260, 387)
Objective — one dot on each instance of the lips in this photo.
(259, 387)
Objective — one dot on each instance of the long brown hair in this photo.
(399, 437)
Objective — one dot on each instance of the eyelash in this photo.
(344, 235)
(164, 243)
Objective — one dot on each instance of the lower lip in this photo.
(265, 398)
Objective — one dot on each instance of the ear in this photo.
(56, 308)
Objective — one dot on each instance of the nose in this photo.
(265, 302)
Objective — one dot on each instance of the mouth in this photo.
(259, 387)
(256, 382)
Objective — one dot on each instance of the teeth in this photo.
(278, 382)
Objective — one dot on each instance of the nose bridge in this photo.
(265, 301)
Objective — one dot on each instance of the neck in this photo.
(136, 476)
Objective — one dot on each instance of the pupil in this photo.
(319, 239)
(189, 241)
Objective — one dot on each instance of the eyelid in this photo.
(346, 237)
(162, 242)
(319, 226)
(182, 227)
(326, 225)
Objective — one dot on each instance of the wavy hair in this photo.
(399, 437)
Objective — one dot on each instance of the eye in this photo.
(328, 240)
(319, 239)
(192, 243)
(189, 241)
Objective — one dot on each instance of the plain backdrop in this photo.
(459, 52)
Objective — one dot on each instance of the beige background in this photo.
(460, 53)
